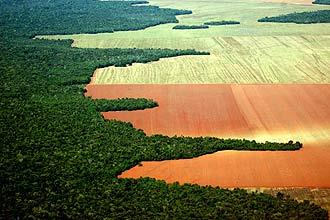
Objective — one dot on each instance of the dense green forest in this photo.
(124, 104)
(185, 27)
(81, 16)
(322, 16)
(221, 22)
(59, 158)
(322, 2)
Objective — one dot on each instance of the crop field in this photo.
(282, 59)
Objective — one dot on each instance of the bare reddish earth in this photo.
(182, 110)
(224, 110)
(272, 111)
(308, 167)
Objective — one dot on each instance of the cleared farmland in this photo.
(260, 112)
(282, 59)
(308, 167)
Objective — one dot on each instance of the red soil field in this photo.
(227, 110)
(261, 112)
(308, 167)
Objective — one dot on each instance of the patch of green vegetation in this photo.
(322, 2)
(60, 158)
(163, 53)
(83, 16)
(186, 27)
(124, 104)
(221, 22)
(321, 16)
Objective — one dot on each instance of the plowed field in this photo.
(280, 59)
(308, 167)
(260, 112)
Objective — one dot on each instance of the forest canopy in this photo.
(38, 17)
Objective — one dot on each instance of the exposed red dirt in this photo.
(234, 111)
(223, 110)
(308, 167)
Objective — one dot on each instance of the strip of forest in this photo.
(217, 23)
(187, 27)
(124, 104)
(321, 16)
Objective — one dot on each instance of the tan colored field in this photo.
(299, 2)
(304, 59)
(260, 112)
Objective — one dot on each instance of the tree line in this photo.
(187, 27)
(321, 16)
(221, 22)
(205, 25)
